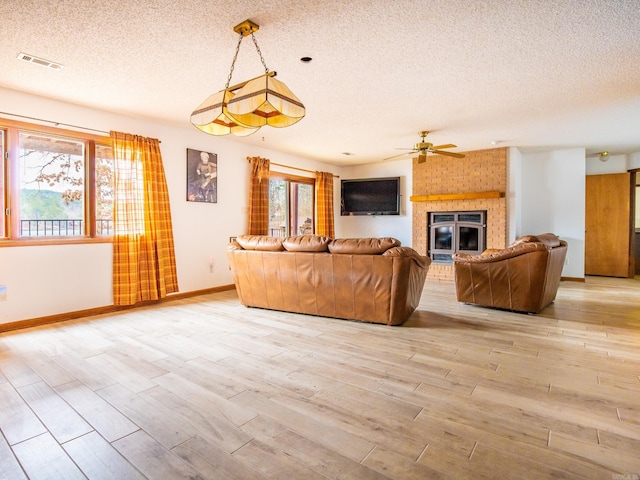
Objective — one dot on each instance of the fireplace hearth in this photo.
(454, 232)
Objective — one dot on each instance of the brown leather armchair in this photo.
(523, 277)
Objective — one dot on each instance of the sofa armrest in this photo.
(233, 245)
(420, 260)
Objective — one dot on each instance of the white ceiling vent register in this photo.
(40, 61)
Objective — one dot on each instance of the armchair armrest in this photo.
(498, 255)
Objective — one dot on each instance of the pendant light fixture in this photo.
(242, 109)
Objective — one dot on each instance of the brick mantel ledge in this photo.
(456, 196)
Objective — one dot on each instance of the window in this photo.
(51, 185)
(104, 186)
(61, 187)
(291, 205)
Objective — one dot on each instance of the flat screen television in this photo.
(370, 196)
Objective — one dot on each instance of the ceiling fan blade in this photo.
(401, 155)
(448, 145)
(449, 154)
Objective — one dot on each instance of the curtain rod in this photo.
(293, 168)
(54, 123)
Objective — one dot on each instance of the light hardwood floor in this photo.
(207, 388)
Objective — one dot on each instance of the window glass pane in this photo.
(442, 217)
(304, 209)
(443, 238)
(442, 258)
(278, 208)
(2, 206)
(470, 217)
(468, 238)
(104, 190)
(51, 182)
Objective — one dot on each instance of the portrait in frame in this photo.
(202, 176)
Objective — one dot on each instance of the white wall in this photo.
(552, 199)
(615, 164)
(514, 199)
(397, 226)
(48, 280)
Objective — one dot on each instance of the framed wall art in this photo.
(202, 176)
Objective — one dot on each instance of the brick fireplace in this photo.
(477, 182)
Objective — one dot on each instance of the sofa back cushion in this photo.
(260, 242)
(306, 243)
(362, 246)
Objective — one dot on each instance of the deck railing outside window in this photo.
(277, 232)
(61, 227)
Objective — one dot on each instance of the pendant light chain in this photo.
(233, 63)
(255, 42)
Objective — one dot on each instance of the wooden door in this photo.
(608, 213)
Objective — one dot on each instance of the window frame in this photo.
(11, 184)
(296, 179)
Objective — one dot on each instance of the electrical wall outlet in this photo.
(3, 293)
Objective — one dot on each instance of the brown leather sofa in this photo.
(523, 277)
(367, 279)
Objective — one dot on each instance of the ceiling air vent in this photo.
(40, 61)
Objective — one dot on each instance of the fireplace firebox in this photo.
(453, 232)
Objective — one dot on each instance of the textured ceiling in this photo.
(534, 74)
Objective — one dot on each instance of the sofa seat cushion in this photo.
(306, 243)
(362, 246)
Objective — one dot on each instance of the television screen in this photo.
(370, 196)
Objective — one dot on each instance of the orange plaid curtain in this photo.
(259, 196)
(324, 204)
(144, 264)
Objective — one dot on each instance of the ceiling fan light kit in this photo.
(242, 109)
(423, 148)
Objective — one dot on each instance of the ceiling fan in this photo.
(423, 148)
